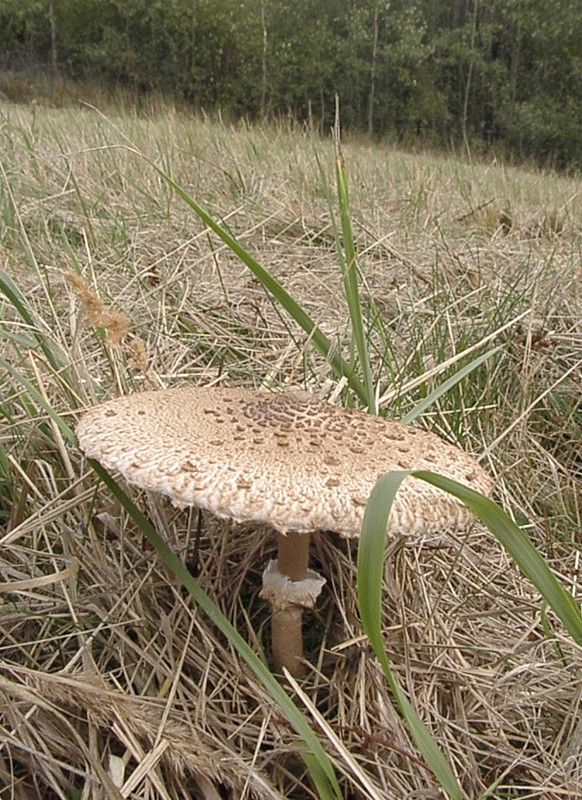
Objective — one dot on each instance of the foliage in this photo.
(439, 71)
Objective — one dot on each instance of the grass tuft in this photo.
(113, 681)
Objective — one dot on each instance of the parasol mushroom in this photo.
(288, 461)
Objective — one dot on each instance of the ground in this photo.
(114, 682)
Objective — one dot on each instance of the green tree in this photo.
(475, 70)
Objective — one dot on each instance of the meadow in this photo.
(114, 681)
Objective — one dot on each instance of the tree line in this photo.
(485, 72)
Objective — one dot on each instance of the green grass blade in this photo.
(35, 326)
(278, 291)
(316, 758)
(18, 341)
(519, 547)
(349, 269)
(32, 393)
(370, 572)
(444, 387)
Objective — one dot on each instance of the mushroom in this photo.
(288, 461)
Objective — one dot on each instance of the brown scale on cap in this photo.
(287, 460)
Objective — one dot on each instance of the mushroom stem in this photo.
(293, 555)
(287, 638)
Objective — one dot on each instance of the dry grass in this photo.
(113, 684)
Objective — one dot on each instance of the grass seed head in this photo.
(114, 323)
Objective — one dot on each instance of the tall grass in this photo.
(369, 572)
(438, 319)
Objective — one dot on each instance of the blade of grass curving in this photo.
(519, 547)
(444, 387)
(370, 570)
(32, 393)
(349, 271)
(18, 341)
(15, 297)
(340, 367)
(315, 757)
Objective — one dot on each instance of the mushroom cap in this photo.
(287, 460)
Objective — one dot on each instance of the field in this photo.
(114, 682)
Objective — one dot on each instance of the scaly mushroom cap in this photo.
(287, 460)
